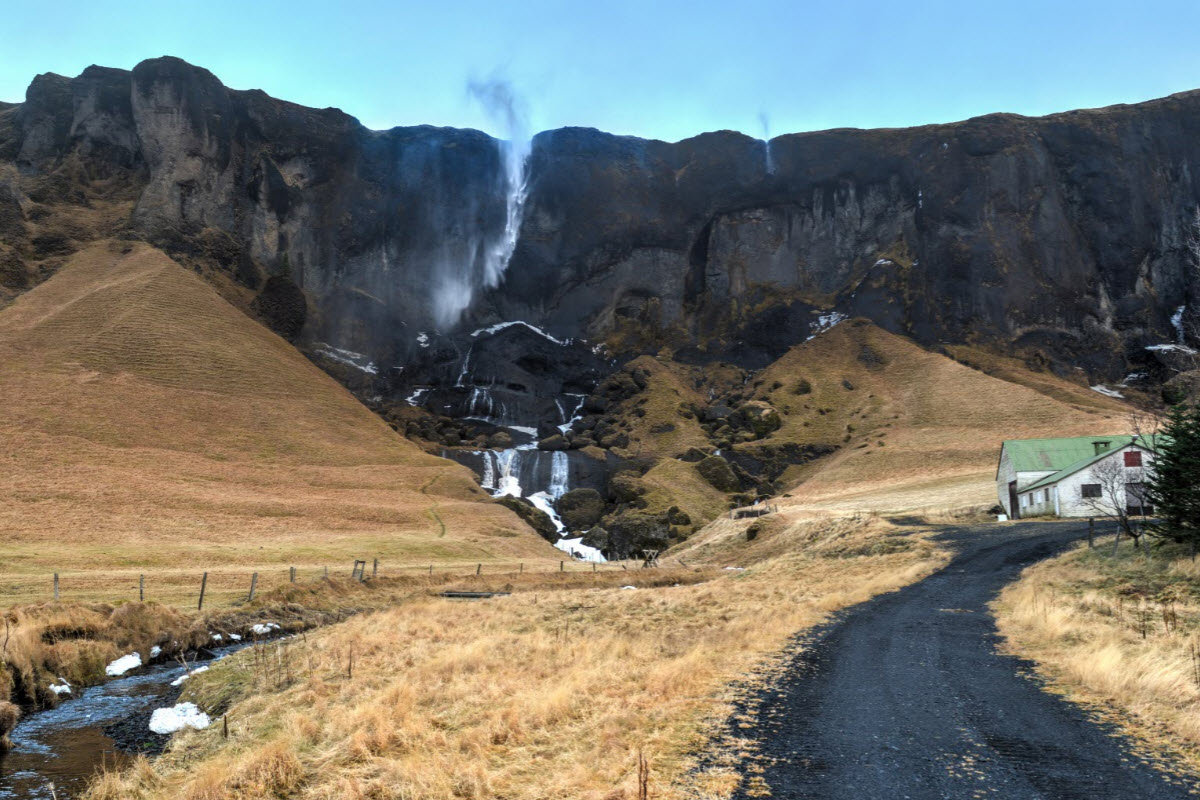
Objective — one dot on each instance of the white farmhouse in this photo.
(1073, 477)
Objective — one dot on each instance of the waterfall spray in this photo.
(764, 123)
(507, 109)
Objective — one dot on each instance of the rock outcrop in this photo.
(1061, 238)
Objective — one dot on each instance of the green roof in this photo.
(1052, 455)
(1118, 443)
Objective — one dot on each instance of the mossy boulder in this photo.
(580, 509)
(631, 532)
(533, 516)
(626, 487)
(759, 417)
(718, 473)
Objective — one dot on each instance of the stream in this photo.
(67, 745)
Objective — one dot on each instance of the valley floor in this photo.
(547, 693)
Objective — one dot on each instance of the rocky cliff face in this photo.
(1061, 238)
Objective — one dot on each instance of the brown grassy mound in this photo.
(151, 427)
(914, 428)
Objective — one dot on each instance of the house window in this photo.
(1091, 490)
(1024, 500)
(1135, 499)
(1133, 458)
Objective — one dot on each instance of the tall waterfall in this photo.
(764, 122)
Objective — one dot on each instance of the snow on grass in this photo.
(179, 681)
(1104, 390)
(60, 688)
(123, 664)
(264, 628)
(155, 651)
(185, 715)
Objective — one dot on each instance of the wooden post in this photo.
(56, 587)
(522, 570)
(253, 586)
(327, 573)
(225, 725)
(141, 588)
(1091, 532)
(292, 574)
(431, 569)
(375, 569)
(203, 586)
(479, 569)
(593, 566)
(562, 566)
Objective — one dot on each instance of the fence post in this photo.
(431, 569)
(253, 585)
(522, 570)
(292, 574)
(326, 573)
(203, 586)
(141, 588)
(375, 569)
(562, 566)
(479, 569)
(56, 587)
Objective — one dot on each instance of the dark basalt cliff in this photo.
(1061, 238)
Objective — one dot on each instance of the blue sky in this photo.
(666, 70)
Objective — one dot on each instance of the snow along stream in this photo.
(64, 746)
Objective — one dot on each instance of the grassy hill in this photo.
(150, 426)
(914, 428)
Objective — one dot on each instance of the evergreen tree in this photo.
(1174, 488)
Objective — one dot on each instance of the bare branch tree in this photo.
(1120, 489)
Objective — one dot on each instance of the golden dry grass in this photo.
(151, 427)
(1120, 635)
(913, 428)
(544, 694)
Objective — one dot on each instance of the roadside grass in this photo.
(551, 692)
(43, 643)
(1120, 635)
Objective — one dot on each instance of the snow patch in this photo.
(216, 637)
(417, 397)
(179, 681)
(579, 550)
(824, 322)
(1172, 348)
(1102, 389)
(124, 664)
(423, 339)
(185, 715)
(629, 587)
(155, 651)
(502, 325)
(60, 688)
(347, 357)
(264, 628)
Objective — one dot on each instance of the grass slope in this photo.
(150, 426)
(914, 429)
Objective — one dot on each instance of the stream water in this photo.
(67, 745)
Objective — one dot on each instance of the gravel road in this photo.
(906, 696)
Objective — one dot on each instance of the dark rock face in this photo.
(630, 533)
(1061, 236)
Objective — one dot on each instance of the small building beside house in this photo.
(1076, 477)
